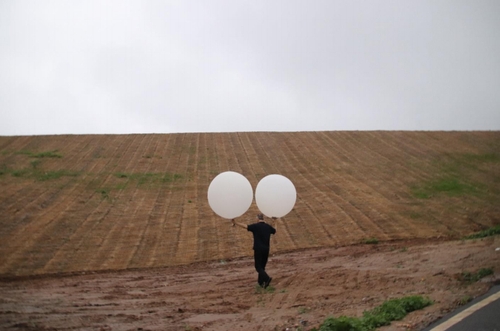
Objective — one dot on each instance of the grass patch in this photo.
(52, 154)
(49, 175)
(104, 193)
(451, 186)
(149, 177)
(464, 300)
(472, 277)
(391, 310)
(487, 157)
(493, 231)
(260, 290)
(455, 173)
(21, 173)
(40, 175)
(371, 241)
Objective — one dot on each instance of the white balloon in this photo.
(230, 194)
(275, 195)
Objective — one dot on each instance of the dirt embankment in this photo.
(309, 285)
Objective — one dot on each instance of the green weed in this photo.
(40, 175)
(464, 300)
(149, 177)
(303, 310)
(21, 173)
(260, 290)
(52, 154)
(472, 277)
(35, 164)
(371, 241)
(485, 233)
(391, 310)
(487, 157)
(450, 185)
(48, 175)
(104, 193)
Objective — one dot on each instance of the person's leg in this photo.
(267, 279)
(261, 258)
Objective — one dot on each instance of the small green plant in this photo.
(149, 177)
(472, 277)
(260, 290)
(451, 186)
(371, 241)
(104, 193)
(52, 154)
(415, 215)
(485, 233)
(464, 300)
(487, 157)
(48, 175)
(303, 310)
(21, 173)
(35, 164)
(391, 310)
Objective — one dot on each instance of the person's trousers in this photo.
(260, 257)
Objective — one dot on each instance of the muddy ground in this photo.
(307, 287)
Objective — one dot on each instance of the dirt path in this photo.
(309, 286)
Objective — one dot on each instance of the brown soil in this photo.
(309, 285)
(114, 202)
(131, 212)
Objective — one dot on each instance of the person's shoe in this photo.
(266, 284)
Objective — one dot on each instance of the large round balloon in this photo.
(275, 195)
(230, 194)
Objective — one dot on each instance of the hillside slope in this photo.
(98, 202)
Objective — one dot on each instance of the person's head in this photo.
(260, 217)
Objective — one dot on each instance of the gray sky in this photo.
(208, 66)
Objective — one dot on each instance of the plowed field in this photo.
(109, 202)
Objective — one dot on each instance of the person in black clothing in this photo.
(261, 237)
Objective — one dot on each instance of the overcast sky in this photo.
(223, 66)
